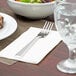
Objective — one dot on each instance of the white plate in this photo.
(10, 26)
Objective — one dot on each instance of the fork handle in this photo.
(24, 50)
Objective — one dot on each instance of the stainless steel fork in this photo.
(44, 32)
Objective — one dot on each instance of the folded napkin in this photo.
(7, 61)
(37, 52)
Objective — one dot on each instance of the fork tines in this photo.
(48, 26)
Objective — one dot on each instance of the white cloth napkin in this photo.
(38, 51)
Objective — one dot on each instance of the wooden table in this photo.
(47, 67)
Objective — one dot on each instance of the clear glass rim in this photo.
(66, 2)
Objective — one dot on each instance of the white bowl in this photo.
(32, 10)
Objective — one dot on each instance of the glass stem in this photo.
(72, 54)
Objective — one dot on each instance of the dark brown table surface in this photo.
(48, 66)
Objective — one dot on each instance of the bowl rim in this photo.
(47, 3)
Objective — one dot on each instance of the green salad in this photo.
(31, 1)
(35, 1)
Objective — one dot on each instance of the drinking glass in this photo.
(65, 21)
